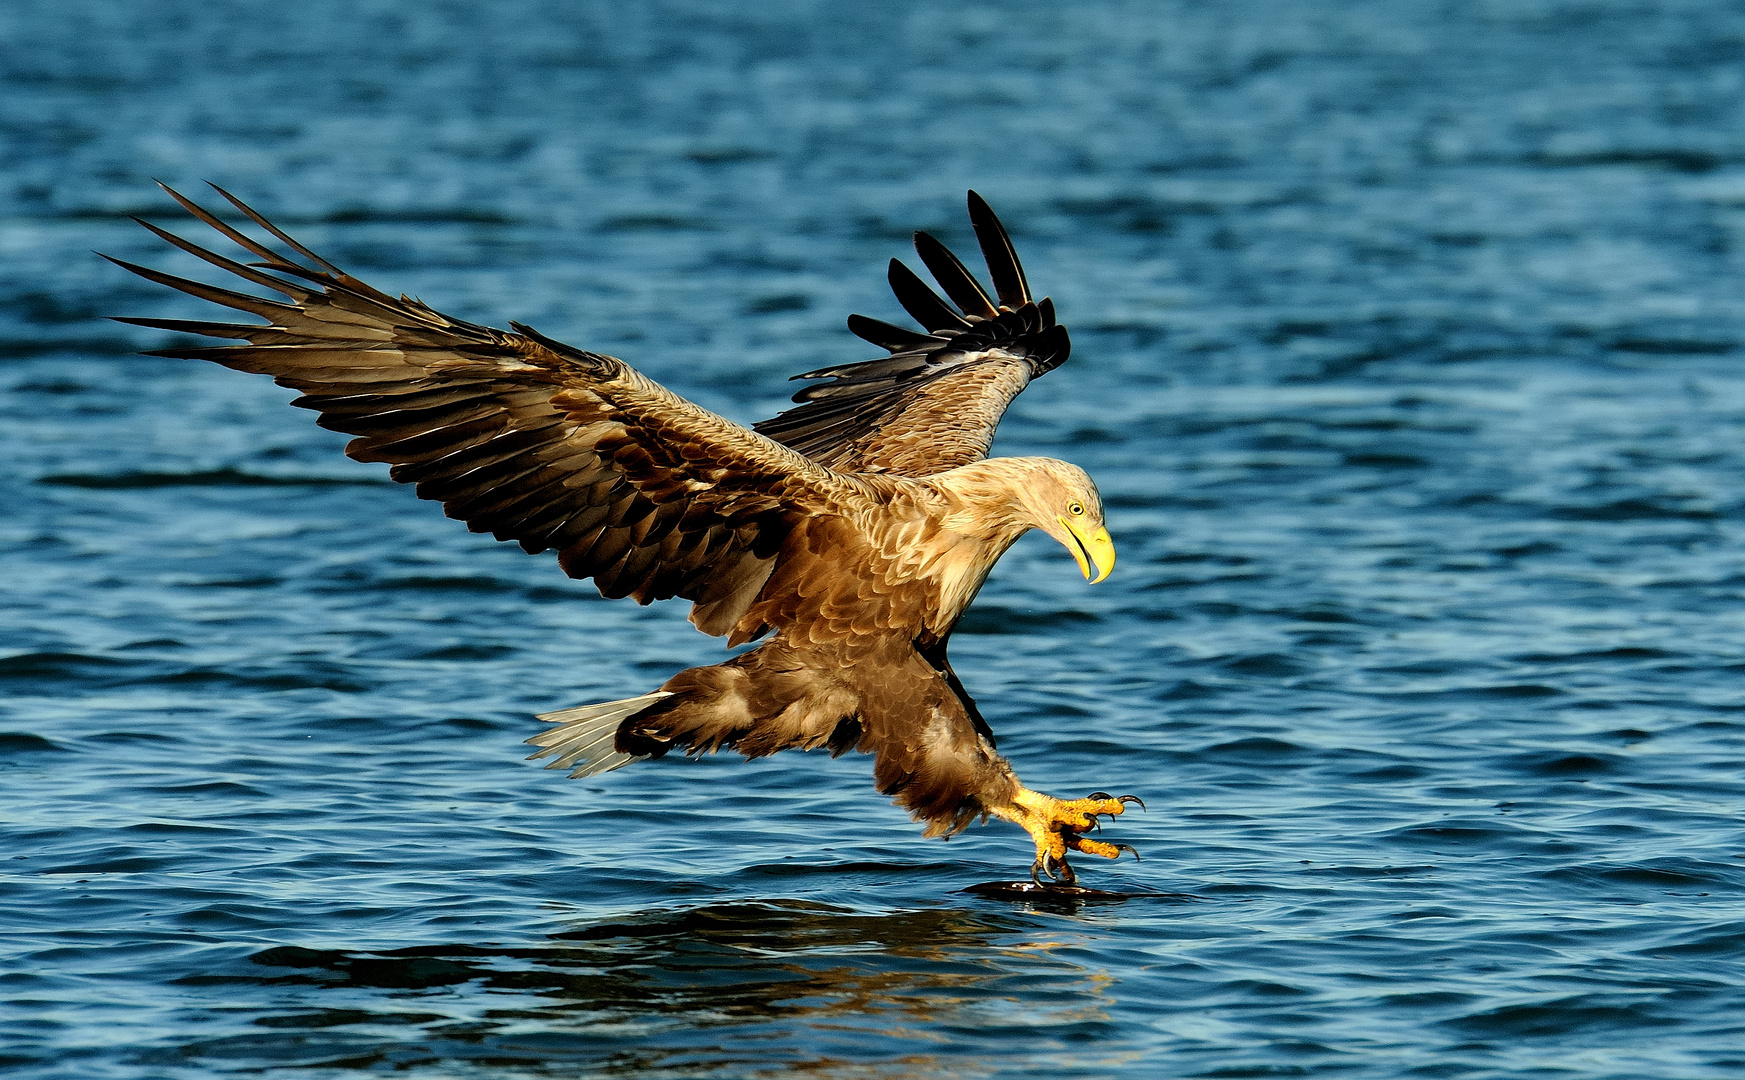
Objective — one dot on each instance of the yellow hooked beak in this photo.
(1091, 549)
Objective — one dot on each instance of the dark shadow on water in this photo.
(775, 984)
(1068, 898)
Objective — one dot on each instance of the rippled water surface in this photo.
(1407, 354)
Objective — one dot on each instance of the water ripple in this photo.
(1406, 350)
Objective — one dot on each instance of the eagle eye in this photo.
(1077, 510)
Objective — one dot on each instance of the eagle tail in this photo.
(586, 736)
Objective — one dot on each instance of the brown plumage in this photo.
(854, 529)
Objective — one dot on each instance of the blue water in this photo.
(1407, 355)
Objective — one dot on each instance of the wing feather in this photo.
(1000, 255)
(883, 334)
(923, 303)
(959, 284)
(935, 402)
(519, 435)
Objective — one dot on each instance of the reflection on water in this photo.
(787, 986)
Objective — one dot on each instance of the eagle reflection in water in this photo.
(770, 984)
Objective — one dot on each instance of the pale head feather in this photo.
(1005, 497)
(988, 505)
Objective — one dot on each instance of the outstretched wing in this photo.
(516, 434)
(934, 402)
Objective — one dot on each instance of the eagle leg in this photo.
(1059, 825)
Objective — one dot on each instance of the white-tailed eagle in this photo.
(853, 530)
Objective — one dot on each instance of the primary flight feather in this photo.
(852, 530)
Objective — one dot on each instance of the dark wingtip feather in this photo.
(201, 213)
(885, 336)
(343, 278)
(1053, 345)
(177, 354)
(285, 288)
(921, 302)
(1003, 266)
(190, 326)
(959, 284)
(255, 217)
(229, 298)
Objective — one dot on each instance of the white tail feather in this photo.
(586, 735)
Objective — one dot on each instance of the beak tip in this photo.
(1089, 552)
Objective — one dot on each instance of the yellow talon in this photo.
(1097, 847)
(1059, 824)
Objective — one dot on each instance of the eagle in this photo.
(852, 531)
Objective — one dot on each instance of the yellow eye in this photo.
(1077, 510)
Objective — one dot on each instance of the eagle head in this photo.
(1060, 499)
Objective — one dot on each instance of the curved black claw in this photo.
(1129, 847)
(1118, 798)
(1054, 868)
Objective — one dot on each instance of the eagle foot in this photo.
(1059, 825)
